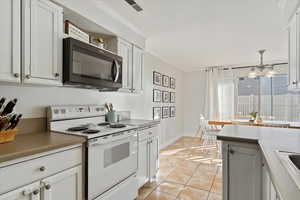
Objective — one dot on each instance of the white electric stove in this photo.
(111, 161)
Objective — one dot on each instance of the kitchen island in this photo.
(252, 168)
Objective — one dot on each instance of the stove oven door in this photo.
(111, 159)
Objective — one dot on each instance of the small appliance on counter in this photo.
(8, 120)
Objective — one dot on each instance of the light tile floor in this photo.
(188, 171)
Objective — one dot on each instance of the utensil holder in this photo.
(8, 136)
(111, 117)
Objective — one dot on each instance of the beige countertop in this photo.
(30, 144)
(270, 140)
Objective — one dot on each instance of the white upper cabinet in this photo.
(10, 48)
(42, 42)
(125, 51)
(293, 34)
(138, 64)
(133, 63)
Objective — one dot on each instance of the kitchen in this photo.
(130, 129)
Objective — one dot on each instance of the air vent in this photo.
(135, 6)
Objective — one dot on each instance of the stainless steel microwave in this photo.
(87, 66)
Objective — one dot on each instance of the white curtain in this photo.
(219, 97)
(211, 96)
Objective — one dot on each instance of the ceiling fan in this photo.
(262, 69)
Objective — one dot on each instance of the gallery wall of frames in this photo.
(163, 96)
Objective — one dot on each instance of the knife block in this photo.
(8, 136)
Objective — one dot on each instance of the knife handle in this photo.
(9, 107)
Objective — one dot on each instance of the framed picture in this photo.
(157, 78)
(165, 112)
(165, 97)
(156, 95)
(165, 81)
(172, 111)
(172, 83)
(156, 113)
(172, 97)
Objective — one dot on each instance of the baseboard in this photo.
(191, 134)
(170, 142)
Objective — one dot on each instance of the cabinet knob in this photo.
(42, 169)
(36, 192)
(28, 76)
(56, 75)
(48, 187)
(231, 151)
(17, 75)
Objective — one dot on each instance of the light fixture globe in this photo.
(271, 72)
(252, 73)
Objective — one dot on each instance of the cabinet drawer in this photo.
(20, 174)
(147, 132)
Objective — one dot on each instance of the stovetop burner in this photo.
(104, 124)
(117, 126)
(90, 131)
(77, 128)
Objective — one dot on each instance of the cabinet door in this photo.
(293, 60)
(244, 173)
(154, 151)
(10, 22)
(266, 183)
(29, 192)
(66, 185)
(125, 51)
(143, 166)
(42, 38)
(138, 63)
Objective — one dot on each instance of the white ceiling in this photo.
(196, 33)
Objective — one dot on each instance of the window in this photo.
(269, 95)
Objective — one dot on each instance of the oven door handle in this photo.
(96, 142)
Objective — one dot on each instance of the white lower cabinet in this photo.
(66, 185)
(64, 182)
(268, 189)
(148, 155)
(241, 171)
(154, 156)
(29, 192)
(143, 165)
(245, 173)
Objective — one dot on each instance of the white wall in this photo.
(34, 99)
(194, 100)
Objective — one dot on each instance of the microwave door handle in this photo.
(116, 65)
